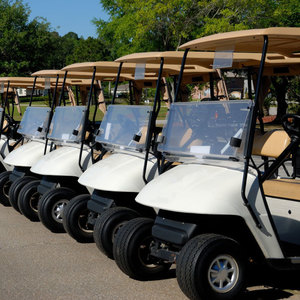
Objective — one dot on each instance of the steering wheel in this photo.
(291, 124)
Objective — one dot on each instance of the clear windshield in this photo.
(67, 124)
(124, 127)
(205, 130)
(34, 122)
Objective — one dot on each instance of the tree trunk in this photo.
(280, 87)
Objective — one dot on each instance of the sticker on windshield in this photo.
(65, 136)
(139, 71)
(107, 131)
(200, 149)
(223, 58)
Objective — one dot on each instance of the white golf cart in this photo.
(17, 160)
(58, 170)
(218, 211)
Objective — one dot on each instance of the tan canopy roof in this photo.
(282, 40)
(127, 68)
(204, 59)
(20, 80)
(48, 73)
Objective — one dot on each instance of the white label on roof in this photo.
(139, 71)
(223, 58)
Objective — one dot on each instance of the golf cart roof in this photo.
(48, 73)
(203, 59)
(21, 80)
(282, 40)
(151, 69)
(24, 82)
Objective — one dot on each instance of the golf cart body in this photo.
(204, 137)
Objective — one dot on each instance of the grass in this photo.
(99, 114)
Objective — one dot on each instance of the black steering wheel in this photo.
(291, 124)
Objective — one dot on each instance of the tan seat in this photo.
(270, 144)
(143, 134)
(5, 123)
(282, 188)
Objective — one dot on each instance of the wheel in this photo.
(75, 219)
(107, 226)
(5, 184)
(51, 206)
(211, 266)
(15, 189)
(131, 250)
(28, 200)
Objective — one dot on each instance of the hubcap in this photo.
(57, 210)
(34, 200)
(6, 188)
(144, 254)
(223, 273)
(83, 222)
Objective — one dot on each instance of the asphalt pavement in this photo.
(38, 264)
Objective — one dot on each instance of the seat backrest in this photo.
(270, 144)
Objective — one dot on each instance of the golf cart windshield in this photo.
(34, 122)
(200, 130)
(67, 124)
(124, 127)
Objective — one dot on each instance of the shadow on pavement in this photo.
(266, 294)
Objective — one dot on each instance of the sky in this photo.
(69, 15)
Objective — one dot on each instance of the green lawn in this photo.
(99, 114)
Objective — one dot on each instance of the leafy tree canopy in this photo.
(149, 25)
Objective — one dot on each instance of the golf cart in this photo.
(63, 137)
(118, 127)
(218, 211)
(9, 136)
(11, 158)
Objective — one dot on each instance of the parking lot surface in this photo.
(38, 264)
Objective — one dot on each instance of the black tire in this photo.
(75, 219)
(15, 189)
(107, 226)
(28, 200)
(131, 251)
(197, 261)
(5, 184)
(51, 206)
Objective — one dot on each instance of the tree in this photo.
(25, 46)
(90, 49)
(155, 25)
(140, 25)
